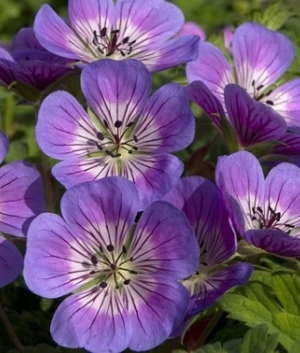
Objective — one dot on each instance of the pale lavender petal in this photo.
(228, 33)
(286, 101)
(200, 201)
(155, 306)
(147, 22)
(213, 285)
(56, 261)
(57, 37)
(87, 16)
(164, 243)
(201, 95)
(73, 171)
(261, 56)
(85, 209)
(166, 123)
(172, 53)
(191, 28)
(11, 262)
(154, 175)
(282, 194)
(241, 182)
(3, 145)
(274, 241)
(21, 197)
(24, 39)
(253, 121)
(212, 68)
(64, 129)
(116, 91)
(95, 319)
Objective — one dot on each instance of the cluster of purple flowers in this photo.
(138, 248)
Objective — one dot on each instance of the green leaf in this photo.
(287, 289)
(257, 305)
(259, 340)
(212, 348)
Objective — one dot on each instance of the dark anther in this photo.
(130, 151)
(132, 42)
(270, 102)
(100, 136)
(112, 155)
(122, 53)
(118, 123)
(203, 263)
(103, 285)
(94, 260)
(92, 273)
(130, 124)
(124, 250)
(135, 139)
(113, 266)
(253, 83)
(125, 40)
(260, 87)
(259, 209)
(95, 38)
(133, 272)
(289, 225)
(105, 123)
(115, 31)
(103, 32)
(110, 248)
(127, 281)
(101, 249)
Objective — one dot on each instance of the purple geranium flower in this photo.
(264, 211)
(128, 29)
(21, 199)
(252, 121)
(199, 199)
(260, 56)
(124, 277)
(28, 62)
(126, 133)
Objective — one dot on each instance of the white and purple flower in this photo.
(200, 201)
(261, 56)
(21, 199)
(265, 212)
(128, 29)
(123, 277)
(125, 133)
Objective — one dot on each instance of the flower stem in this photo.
(10, 330)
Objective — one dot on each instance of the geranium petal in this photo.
(3, 145)
(172, 53)
(56, 36)
(21, 197)
(164, 242)
(274, 241)
(64, 129)
(56, 261)
(155, 305)
(215, 284)
(253, 121)
(98, 218)
(153, 175)
(116, 90)
(286, 101)
(11, 262)
(201, 95)
(282, 194)
(95, 320)
(147, 23)
(261, 56)
(200, 201)
(87, 16)
(166, 123)
(212, 68)
(241, 181)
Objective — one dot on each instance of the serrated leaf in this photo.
(257, 305)
(258, 340)
(212, 348)
(287, 289)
